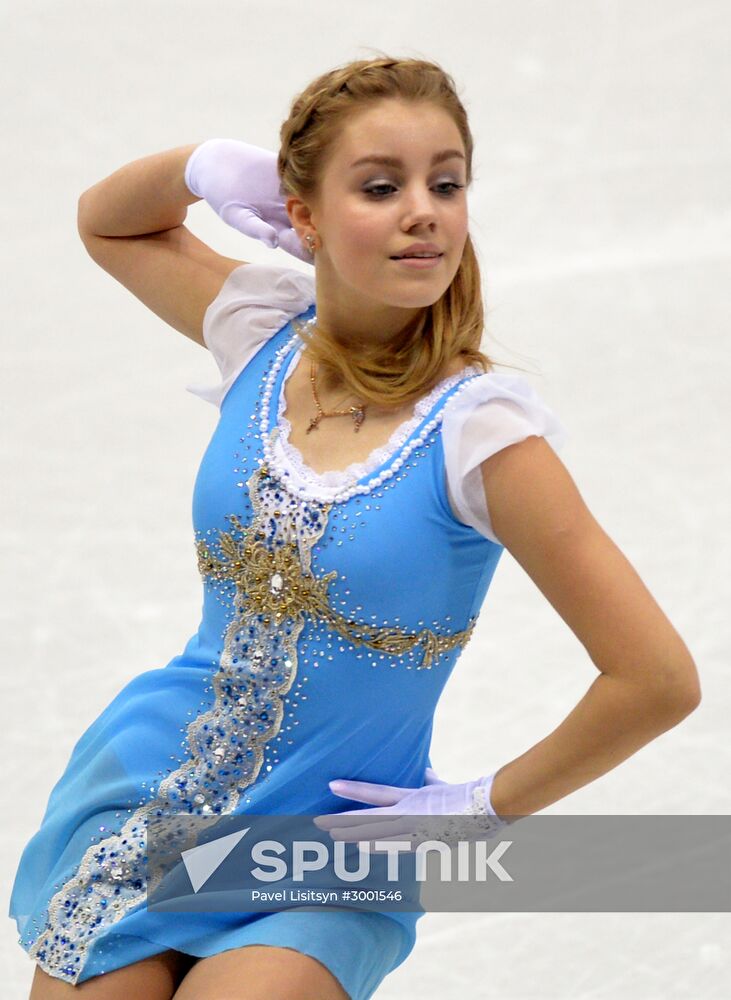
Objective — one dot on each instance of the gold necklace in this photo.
(357, 412)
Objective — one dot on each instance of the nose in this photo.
(419, 207)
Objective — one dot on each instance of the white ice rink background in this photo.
(601, 211)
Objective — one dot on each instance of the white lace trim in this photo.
(357, 470)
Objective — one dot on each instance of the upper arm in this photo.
(540, 517)
(173, 272)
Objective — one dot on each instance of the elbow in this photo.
(680, 693)
(84, 216)
(693, 699)
(685, 705)
(81, 224)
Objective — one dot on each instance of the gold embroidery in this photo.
(273, 581)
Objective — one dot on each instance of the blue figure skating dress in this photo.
(335, 607)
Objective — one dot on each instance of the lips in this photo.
(414, 249)
(417, 256)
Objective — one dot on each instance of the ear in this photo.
(300, 214)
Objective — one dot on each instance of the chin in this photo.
(420, 298)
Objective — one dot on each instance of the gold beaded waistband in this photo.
(271, 582)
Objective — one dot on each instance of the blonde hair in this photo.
(410, 364)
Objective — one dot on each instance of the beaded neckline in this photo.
(339, 485)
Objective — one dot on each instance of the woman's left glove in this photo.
(396, 805)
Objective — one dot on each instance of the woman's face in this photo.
(367, 213)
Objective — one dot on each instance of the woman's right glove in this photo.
(241, 184)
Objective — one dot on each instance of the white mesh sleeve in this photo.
(254, 303)
(493, 411)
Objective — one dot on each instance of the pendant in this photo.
(358, 416)
(313, 423)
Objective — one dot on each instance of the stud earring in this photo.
(310, 239)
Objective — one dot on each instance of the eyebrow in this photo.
(393, 161)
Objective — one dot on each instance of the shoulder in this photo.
(494, 410)
(494, 385)
(519, 466)
(261, 287)
(255, 301)
(531, 497)
(485, 417)
(253, 304)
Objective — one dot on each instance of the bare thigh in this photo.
(260, 972)
(154, 978)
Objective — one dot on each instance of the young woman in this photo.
(366, 473)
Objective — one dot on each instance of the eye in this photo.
(377, 189)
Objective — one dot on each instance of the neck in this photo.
(353, 319)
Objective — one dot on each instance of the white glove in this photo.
(241, 184)
(397, 805)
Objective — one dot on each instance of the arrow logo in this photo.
(202, 861)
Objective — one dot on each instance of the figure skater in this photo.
(366, 472)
